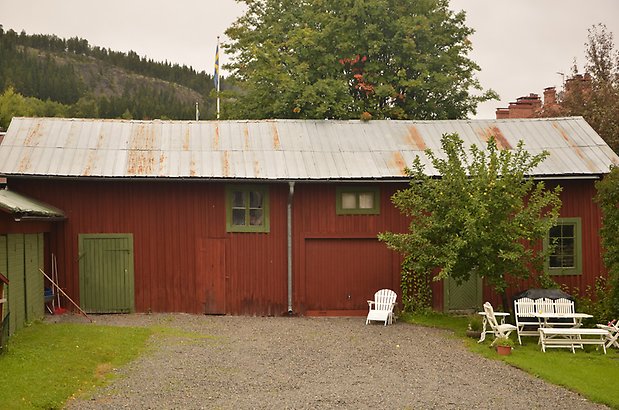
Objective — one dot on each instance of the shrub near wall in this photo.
(608, 199)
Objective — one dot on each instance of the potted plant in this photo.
(503, 345)
(474, 327)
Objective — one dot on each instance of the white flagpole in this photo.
(218, 78)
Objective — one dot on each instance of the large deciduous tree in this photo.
(340, 59)
(483, 216)
(594, 96)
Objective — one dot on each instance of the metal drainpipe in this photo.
(289, 217)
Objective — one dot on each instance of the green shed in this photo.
(22, 254)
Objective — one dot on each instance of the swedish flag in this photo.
(216, 74)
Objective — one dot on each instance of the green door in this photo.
(106, 273)
(464, 297)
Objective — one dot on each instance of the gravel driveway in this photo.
(309, 363)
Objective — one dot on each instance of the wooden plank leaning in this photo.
(65, 295)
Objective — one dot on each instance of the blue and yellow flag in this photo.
(216, 74)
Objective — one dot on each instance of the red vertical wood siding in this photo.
(168, 220)
(171, 220)
(315, 218)
(342, 274)
(9, 225)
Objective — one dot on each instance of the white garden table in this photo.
(576, 319)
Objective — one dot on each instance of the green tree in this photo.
(608, 199)
(326, 59)
(13, 104)
(484, 216)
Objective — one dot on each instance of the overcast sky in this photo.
(520, 45)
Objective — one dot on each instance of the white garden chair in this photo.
(499, 330)
(613, 333)
(563, 305)
(381, 308)
(545, 305)
(524, 309)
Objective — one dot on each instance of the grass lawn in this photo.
(590, 373)
(45, 364)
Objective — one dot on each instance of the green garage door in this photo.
(106, 273)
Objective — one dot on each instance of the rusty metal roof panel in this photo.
(280, 149)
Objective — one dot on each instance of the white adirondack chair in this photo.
(499, 330)
(381, 308)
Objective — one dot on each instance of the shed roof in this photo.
(28, 208)
(280, 149)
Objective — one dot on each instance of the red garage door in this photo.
(342, 274)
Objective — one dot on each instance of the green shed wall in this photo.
(21, 256)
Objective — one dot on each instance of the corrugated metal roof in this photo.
(280, 149)
(22, 206)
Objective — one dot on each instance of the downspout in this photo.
(289, 224)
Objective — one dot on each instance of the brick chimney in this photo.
(523, 107)
(550, 96)
(502, 113)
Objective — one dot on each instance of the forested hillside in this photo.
(44, 75)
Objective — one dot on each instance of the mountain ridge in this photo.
(44, 75)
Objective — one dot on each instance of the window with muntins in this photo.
(566, 257)
(357, 200)
(247, 209)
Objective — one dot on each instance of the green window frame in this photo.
(357, 200)
(566, 257)
(247, 208)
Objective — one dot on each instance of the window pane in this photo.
(247, 208)
(555, 232)
(564, 255)
(568, 231)
(349, 200)
(238, 200)
(238, 217)
(568, 246)
(555, 261)
(366, 200)
(255, 199)
(568, 261)
(255, 217)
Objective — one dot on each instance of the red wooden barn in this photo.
(265, 217)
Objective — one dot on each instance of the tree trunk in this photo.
(506, 305)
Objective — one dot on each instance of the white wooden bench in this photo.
(571, 338)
